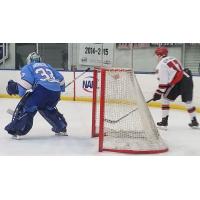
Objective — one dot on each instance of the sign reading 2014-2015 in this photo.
(96, 54)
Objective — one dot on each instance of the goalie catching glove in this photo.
(12, 88)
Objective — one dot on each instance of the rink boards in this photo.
(81, 90)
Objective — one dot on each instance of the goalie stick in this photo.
(126, 115)
(11, 112)
(19, 106)
(78, 77)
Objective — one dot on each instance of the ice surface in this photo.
(181, 139)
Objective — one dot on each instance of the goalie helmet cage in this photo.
(120, 116)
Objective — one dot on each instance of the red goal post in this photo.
(120, 116)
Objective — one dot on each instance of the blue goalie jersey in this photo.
(40, 74)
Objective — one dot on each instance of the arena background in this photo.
(73, 58)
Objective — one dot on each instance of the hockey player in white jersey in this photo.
(172, 82)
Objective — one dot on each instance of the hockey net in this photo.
(120, 116)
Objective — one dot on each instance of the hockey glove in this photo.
(62, 88)
(156, 96)
(12, 88)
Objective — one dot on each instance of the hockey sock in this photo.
(191, 110)
(165, 108)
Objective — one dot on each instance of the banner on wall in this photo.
(96, 54)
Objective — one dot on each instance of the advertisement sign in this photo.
(84, 85)
(87, 84)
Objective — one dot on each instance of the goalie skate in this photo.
(61, 134)
(15, 137)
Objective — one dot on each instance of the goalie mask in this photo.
(33, 57)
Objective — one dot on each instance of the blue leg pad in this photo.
(21, 125)
(55, 119)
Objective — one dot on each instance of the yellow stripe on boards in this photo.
(88, 99)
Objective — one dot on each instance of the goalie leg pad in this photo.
(21, 125)
(55, 119)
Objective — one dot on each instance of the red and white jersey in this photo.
(169, 72)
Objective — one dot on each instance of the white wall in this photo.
(143, 58)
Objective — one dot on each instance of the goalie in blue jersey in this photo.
(46, 85)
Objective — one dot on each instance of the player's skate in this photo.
(163, 124)
(194, 123)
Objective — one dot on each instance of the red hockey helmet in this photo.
(161, 51)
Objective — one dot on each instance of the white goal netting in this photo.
(121, 117)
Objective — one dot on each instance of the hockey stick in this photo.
(10, 111)
(19, 106)
(117, 120)
(78, 77)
